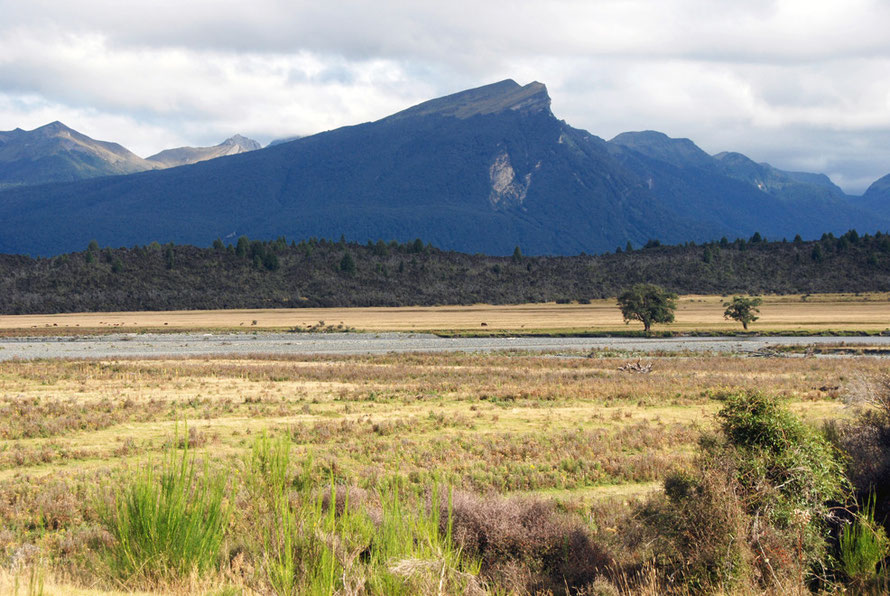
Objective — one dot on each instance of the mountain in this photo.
(56, 153)
(483, 170)
(731, 193)
(680, 153)
(877, 197)
(284, 140)
(181, 156)
(772, 180)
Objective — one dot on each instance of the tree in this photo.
(647, 303)
(816, 253)
(270, 261)
(347, 264)
(742, 309)
(242, 247)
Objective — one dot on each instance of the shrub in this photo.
(699, 530)
(788, 474)
(756, 510)
(166, 523)
(867, 443)
(527, 545)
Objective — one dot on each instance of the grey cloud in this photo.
(785, 81)
(461, 29)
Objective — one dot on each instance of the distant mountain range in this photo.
(484, 170)
(56, 153)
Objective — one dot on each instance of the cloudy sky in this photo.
(803, 84)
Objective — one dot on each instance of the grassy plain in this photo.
(574, 430)
(792, 313)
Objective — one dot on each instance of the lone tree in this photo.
(742, 309)
(647, 303)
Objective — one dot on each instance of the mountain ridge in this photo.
(488, 99)
(56, 153)
(482, 170)
(180, 156)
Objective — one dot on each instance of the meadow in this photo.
(414, 473)
(820, 313)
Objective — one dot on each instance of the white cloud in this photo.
(791, 81)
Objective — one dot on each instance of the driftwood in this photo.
(767, 352)
(636, 367)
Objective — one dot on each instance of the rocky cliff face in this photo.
(507, 190)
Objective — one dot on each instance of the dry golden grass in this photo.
(866, 312)
(577, 430)
(69, 415)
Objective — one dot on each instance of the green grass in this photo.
(316, 542)
(863, 547)
(166, 523)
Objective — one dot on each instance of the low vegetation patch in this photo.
(447, 473)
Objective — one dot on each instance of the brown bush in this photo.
(867, 442)
(526, 544)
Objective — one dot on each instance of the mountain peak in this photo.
(56, 153)
(880, 188)
(503, 96)
(242, 142)
(180, 156)
(657, 145)
(54, 127)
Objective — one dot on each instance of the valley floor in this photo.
(818, 313)
(578, 432)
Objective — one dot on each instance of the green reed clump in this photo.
(863, 546)
(318, 540)
(167, 522)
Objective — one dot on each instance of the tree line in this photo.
(282, 273)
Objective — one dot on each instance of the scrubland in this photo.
(411, 473)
